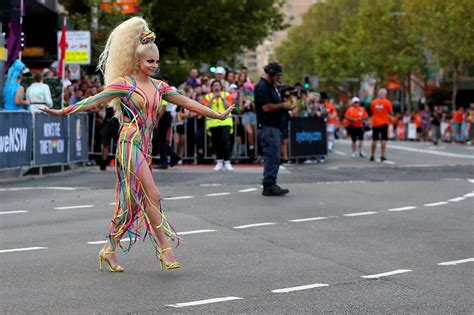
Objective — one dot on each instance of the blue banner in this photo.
(50, 144)
(15, 139)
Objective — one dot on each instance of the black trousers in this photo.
(162, 145)
(221, 141)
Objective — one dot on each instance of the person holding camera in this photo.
(270, 111)
(356, 115)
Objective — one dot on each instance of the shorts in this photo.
(380, 133)
(249, 118)
(356, 133)
(110, 130)
(180, 129)
(331, 128)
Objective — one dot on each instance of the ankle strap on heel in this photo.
(164, 250)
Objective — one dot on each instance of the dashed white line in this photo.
(21, 249)
(389, 162)
(457, 199)
(385, 274)
(196, 232)
(248, 190)
(74, 207)
(14, 212)
(178, 198)
(253, 225)
(470, 180)
(340, 153)
(356, 214)
(37, 188)
(435, 204)
(456, 155)
(210, 185)
(402, 208)
(308, 219)
(456, 262)
(103, 242)
(218, 194)
(303, 287)
(112, 204)
(209, 301)
(471, 194)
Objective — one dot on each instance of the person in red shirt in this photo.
(331, 120)
(457, 123)
(381, 109)
(356, 115)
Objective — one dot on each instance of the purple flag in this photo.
(13, 43)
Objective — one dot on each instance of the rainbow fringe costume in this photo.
(133, 149)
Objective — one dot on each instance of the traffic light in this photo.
(212, 69)
(307, 82)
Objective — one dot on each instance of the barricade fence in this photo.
(36, 139)
(306, 138)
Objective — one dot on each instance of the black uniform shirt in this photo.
(265, 93)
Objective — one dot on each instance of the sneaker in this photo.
(354, 154)
(228, 166)
(383, 158)
(175, 160)
(308, 161)
(274, 190)
(219, 166)
(371, 159)
(362, 154)
(322, 160)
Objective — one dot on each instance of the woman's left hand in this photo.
(54, 112)
(227, 112)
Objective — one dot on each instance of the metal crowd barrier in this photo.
(38, 140)
(307, 138)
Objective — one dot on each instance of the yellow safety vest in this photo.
(218, 106)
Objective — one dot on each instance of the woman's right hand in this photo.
(54, 112)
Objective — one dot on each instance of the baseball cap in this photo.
(355, 99)
(220, 70)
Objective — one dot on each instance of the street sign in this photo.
(78, 49)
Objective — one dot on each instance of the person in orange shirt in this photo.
(381, 109)
(457, 123)
(356, 115)
(331, 120)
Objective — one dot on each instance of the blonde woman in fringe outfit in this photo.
(128, 61)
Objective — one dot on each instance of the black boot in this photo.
(274, 190)
(103, 165)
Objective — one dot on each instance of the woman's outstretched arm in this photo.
(118, 88)
(196, 107)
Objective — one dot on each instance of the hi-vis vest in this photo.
(218, 106)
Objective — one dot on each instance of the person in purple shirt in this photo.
(193, 79)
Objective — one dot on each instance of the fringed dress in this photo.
(133, 149)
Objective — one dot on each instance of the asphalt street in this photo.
(352, 237)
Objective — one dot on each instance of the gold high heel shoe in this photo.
(102, 258)
(159, 256)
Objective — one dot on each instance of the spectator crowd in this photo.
(183, 135)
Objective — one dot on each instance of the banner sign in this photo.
(50, 140)
(15, 139)
(78, 49)
(308, 137)
(78, 137)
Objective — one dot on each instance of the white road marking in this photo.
(436, 204)
(196, 232)
(340, 153)
(457, 199)
(470, 180)
(303, 287)
(248, 190)
(469, 194)
(455, 155)
(385, 274)
(253, 225)
(402, 208)
(21, 249)
(210, 185)
(456, 262)
(389, 162)
(209, 301)
(356, 214)
(103, 242)
(74, 207)
(112, 204)
(14, 212)
(178, 198)
(308, 219)
(37, 188)
(218, 194)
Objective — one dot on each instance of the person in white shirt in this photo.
(38, 94)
